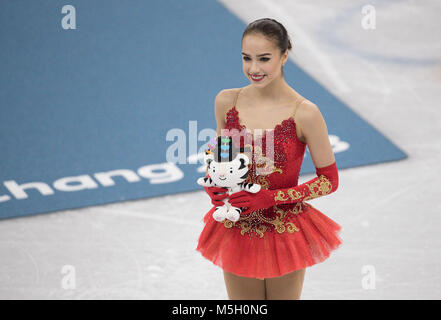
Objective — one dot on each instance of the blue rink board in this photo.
(102, 97)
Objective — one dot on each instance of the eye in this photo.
(262, 59)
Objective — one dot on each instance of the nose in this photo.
(254, 69)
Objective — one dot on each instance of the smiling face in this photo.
(262, 58)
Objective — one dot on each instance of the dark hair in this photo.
(271, 29)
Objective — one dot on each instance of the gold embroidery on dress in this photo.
(260, 230)
(228, 223)
(254, 221)
(295, 210)
(245, 227)
(262, 181)
(264, 164)
(291, 227)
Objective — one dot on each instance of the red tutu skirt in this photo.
(299, 239)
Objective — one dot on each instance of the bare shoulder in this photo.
(308, 116)
(226, 96)
(307, 111)
(225, 100)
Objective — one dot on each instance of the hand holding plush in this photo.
(253, 201)
(217, 195)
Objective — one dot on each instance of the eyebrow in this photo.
(259, 55)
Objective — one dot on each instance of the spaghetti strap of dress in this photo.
(297, 106)
(237, 95)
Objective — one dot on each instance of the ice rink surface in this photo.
(390, 212)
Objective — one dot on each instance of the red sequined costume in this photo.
(286, 237)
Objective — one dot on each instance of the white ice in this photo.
(390, 212)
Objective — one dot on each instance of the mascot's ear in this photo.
(243, 158)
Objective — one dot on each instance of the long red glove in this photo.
(325, 183)
(217, 194)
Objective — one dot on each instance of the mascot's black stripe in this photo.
(242, 163)
(245, 175)
(231, 149)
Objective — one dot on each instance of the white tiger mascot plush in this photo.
(227, 168)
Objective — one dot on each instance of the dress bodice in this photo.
(275, 157)
(275, 160)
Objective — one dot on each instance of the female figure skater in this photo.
(265, 253)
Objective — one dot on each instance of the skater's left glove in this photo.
(253, 201)
(325, 183)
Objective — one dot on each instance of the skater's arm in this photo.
(315, 133)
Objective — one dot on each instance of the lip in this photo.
(223, 179)
(262, 76)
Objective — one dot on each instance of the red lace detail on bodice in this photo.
(288, 150)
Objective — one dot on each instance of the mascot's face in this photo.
(228, 173)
